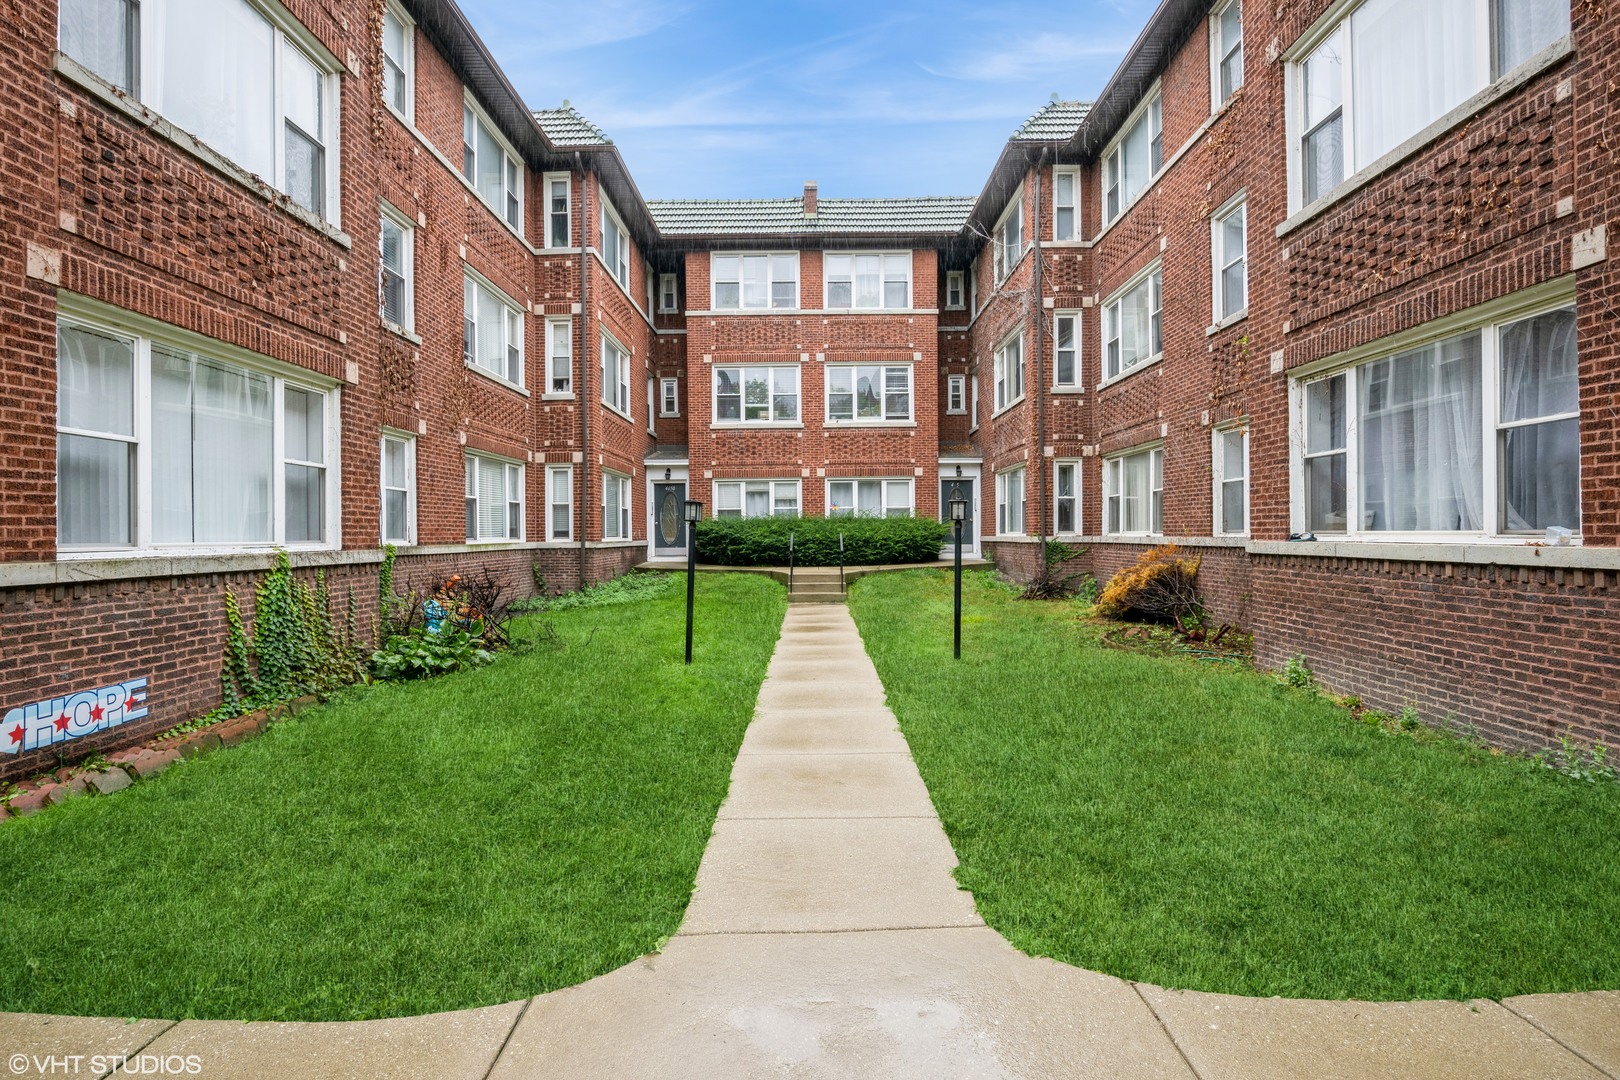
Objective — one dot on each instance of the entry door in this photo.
(959, 487)
(669, 519)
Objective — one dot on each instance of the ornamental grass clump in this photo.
(1162, 586)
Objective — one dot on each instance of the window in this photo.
(652, 393)
(756, 395)
(398, 489)
(1132, 326)
(1066, 486)
(494, 499)
(615, 246)
(615, 375)
(973, 407)
(1008, 240)
(869, 393)
(1065, 204)
(227, 74)
(973, 290)
(1133, 159)
(559, 195)
(492, 330)
(1393, 67)
(1010, 502)
(560, 357)
(1404, 443)
(756, 498)
(399, 55)
(953, 290)
(559, 502)
(1231, 470)
(956, 394)
(1229, 234)
(229, 456)
(668, 293)
(1133, 493)
(868, 281)
(869, 498)
(1009, 364)
(1226, 52)
(1066, 348)
(397, 270)
(491, 166)
(669, 397)
(651, 281)
(755, 281)
(615, 506)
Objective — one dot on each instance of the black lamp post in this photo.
(959, 508)
(694, 514)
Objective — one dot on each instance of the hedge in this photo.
(868, 541)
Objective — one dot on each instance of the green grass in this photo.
(1199, 826)
(409, 848)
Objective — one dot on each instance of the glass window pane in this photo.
(305, 181)
(96, 34)
(218, 78)
(305, 432)
(1413, 62)
(757, 500)
(1325, 415)
(869, 498)
(1522, 28)
(301, 91)
(491, 332)
(491, 499)
(840, 498)
(1232, 509)
(93, 502)
(755, 285)
(1541, 476)
(1539, 367)
(305, 494)
(1324, 80)
(95, 381)
(393, 463)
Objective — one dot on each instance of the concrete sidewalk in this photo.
(827, 938)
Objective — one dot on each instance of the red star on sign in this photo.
(131, 704)
(95, 713)
(17, 734)
(62, 722)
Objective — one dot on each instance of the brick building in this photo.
(1319, 290)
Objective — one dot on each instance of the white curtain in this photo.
(758, 500)
(1525, 27)
(96, 34)
(212, 472)
(94, 392)
(1541, 463)
(215, 77)
(1412, 61)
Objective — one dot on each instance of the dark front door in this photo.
(958, 487)
(669, 519)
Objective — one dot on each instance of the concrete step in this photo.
(816, 598)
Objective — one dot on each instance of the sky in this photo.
(711, 99)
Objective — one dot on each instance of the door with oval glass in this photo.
(669, 519)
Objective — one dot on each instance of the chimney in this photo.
(809, 198)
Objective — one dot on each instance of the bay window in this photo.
(161, 445)
(869, 393)
(615, 506)
(1009, 371)
(868, 280)
(615, 375)
(1230, 467)
(492, 330)
(1133, 325)
(1133, 493)
(398, 489)
(1066, 350)
(491, 166)
(1389, 68)
(494, 497)
(1476, 433)
(755, 281)
(869, 498)
(756, 395)
(1066, 477)
(756, 498)
(1010, 502)
(1133, 159)
(1065, 204)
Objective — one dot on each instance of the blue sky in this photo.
(885, 98)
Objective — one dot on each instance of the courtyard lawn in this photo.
(409, 848)
(1199, 826)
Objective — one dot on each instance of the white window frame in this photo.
(407, 256)
(742, 421)
(652, 404)
(669, 301)
(1217, 468)
(409, 442)
(407, 67)
(1010, 504)
(615, 375)
(883, 258)
(1220, 51)
(553, 503)
(1488, 321)
(650, 280)
(887, 486)
(512, 164)
(973, 290)
(512, 483)
(883, 420)
(956, 395)
(973, 402)
(669, 396)
(1114, 367)
(622, 528)
(1075, 496)
(1221, 259)
(559, 358)
(144, 334)
(1003, 261)
(955, 282)
(1077, 383)
(619, 267)
(1009, 376)
(553, 242)
(512, 333)
(771, 282)
(1073, 173)
(1151, 112)
(1114, 495)
(775, 487)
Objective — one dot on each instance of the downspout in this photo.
(584, 360)
(1040, 356)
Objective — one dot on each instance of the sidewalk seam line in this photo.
(1533, 1023)
(845, 930)
(155, 1037)
(516, 1020)
(827, 817)
(1166, 1029)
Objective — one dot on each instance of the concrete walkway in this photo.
(827, 939)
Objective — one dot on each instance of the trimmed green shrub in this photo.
(868, 541)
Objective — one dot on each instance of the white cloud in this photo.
(1028, 56)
